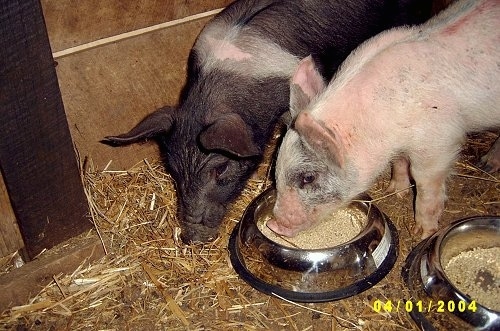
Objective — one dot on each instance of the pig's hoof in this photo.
(279, 229)
(197, 233)
(416, 229)
(401, 189)
(425, 232)
(489, 164)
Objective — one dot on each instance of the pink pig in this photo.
(407, 96)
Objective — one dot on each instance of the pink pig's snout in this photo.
(276, 227)
(290, 215)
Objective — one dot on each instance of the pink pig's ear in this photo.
(322, 139)
(305, 84)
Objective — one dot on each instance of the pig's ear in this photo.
(305, 84)
(156, 123)
(231, 134)
(322, 139)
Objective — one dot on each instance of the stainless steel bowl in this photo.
(314, 275)
(428, 283)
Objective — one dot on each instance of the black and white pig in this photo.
(408, 95)
(237, 89)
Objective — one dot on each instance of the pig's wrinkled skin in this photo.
(407, 96)
(237, 89)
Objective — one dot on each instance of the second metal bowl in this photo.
(425, 276)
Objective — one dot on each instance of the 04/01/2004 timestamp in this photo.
(420, 306)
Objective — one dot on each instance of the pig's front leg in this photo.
(430, 197)
(490, 162)
(400, 177)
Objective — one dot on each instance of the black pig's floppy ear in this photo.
(158, 122)
(229, 133)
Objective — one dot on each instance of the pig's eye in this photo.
(307, 179)
(221, 169)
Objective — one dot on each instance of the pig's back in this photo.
(449, 66)
(470, 47)
(327, 29)
(437, 76)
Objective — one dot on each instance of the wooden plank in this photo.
(72, 23)
(36, 151)
(10, 237)
(20, 284)
(134, 33)
(107, 90)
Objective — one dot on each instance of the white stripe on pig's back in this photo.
(240, 51)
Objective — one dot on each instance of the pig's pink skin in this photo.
(292, 218)
(427, 126)
(295, 217)
(224, 50)
(414, 98)
(400, 177)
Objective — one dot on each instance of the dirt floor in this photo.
(149, 280)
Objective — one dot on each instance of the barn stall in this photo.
(107, 254)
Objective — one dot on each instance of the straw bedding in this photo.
(149, 280)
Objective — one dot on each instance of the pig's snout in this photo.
(280, 229)
(197, 233)
(290, 215)
(202, 226)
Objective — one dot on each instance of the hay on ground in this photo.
(149, 280)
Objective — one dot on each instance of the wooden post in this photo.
(10, 236)
(37, 158)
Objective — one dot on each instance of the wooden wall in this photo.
(108, 89)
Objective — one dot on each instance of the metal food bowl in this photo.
(442, 305)
(313, 275)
